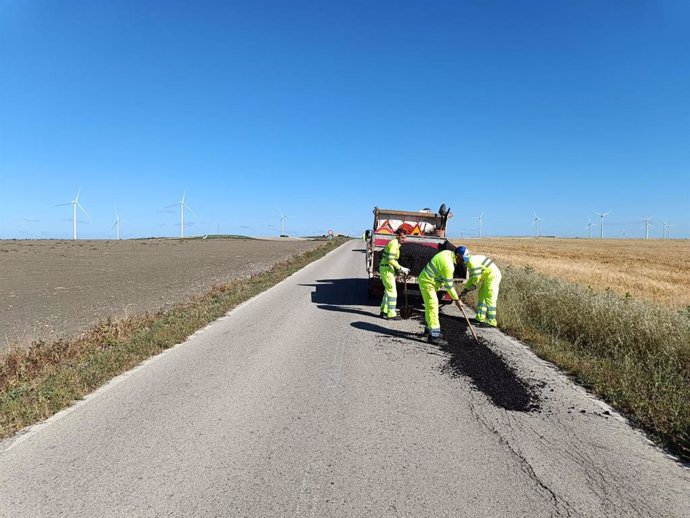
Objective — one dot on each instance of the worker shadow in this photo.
(395, 333)
(341, 292)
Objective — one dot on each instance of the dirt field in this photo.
(655, 270)
(51, 289)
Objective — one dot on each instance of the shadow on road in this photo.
(375, 328)
(351, 292)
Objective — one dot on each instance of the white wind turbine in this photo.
(183, 206)
(480, 221)
(283, 217)
(536, 221)
(116, 225)
(647, 222)
(589, 227)
(75, 203)
(601, 221)
(667, 229)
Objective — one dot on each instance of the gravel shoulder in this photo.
(54, 289)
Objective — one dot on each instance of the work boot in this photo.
(382, 314)
(437, 340)
(396, 317)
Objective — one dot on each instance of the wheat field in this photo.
(655, 270)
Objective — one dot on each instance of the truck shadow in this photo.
(349, 292)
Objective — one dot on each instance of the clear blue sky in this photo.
(323, 109)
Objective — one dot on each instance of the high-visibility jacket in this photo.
(480, 267)
(391, 254)
(439, 272)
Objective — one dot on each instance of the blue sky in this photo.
(320, 110)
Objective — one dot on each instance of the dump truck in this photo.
(426, 236)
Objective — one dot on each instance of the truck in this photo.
(426, 236)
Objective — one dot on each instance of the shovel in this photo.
(462, 308)
(406, 311)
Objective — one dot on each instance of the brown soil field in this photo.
(655, 270)
(55, 289)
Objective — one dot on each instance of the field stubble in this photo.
(654, 270)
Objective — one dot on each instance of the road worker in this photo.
(438, 275)
(388, 269)
(483, 273)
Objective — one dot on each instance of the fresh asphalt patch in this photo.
(487, 370)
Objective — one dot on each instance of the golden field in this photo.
(655, 270)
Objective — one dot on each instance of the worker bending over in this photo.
(436, 275)
(482, 271)
(388, 269)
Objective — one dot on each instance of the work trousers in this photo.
(487, 298)
(390, 294)
(428, 290)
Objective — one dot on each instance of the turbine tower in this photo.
(667, 229)
(480, 221)
(601, 221)
(589, 227)
(647, 222)
(75, 203)
(116, 226)
(283, 217)
(536, 221)
(183, 206)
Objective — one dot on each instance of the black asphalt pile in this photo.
(487, 370)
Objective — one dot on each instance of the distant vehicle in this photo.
(424, 228)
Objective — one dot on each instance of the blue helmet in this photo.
(463, 252)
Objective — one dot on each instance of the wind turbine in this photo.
(667, 229)
(480, 221)
(283, 217)
(116, 225)
(183, 206)
(601, 221)
(75, 203)
(589, 227)
(647, 222)
(536, 221)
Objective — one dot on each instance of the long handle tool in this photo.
(462, 308)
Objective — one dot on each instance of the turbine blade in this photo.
(83, 210)
(190, 210)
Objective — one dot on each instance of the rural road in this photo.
(302, 402)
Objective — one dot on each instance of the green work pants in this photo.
(390, 294)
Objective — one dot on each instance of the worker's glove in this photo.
(404, 271)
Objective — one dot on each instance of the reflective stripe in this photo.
(433, 269)
(487, 262)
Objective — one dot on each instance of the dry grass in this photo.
(654, 270)
(614, 314)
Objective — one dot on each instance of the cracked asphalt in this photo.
(303, 402)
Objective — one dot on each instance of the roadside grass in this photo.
(37, 382)
(633, 353)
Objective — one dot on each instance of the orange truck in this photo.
(426, 235)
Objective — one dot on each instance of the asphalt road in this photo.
(302, 402)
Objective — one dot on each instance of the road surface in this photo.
(303, 402)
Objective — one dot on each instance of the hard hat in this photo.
(463, 252)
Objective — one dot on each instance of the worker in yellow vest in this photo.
(483, 273)
(438, 275)
(388, 269)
